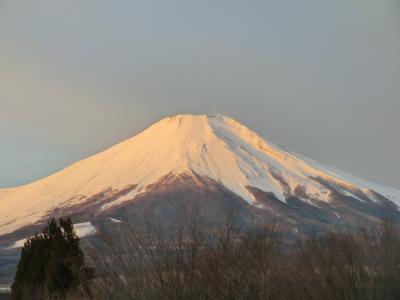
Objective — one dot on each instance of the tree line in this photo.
(189, 259)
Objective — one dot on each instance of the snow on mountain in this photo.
(216, 147)
(81, 230)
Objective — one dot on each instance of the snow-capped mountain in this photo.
(180, 156)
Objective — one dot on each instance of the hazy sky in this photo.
(321, 77)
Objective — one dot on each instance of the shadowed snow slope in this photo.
(215, 147)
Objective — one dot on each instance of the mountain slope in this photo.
(213, 148)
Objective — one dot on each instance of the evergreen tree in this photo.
(52, 264)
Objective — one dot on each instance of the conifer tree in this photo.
(52, 264)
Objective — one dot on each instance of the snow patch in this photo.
(84, 229)
(115, 220)
(5, 290)
(17, 244)
(131, 195)
(81, 230)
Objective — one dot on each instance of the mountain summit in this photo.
(198, 156)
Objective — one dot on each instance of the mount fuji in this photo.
(210, 159)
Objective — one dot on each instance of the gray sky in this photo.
(321, 77)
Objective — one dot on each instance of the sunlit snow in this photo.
(216, 147)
